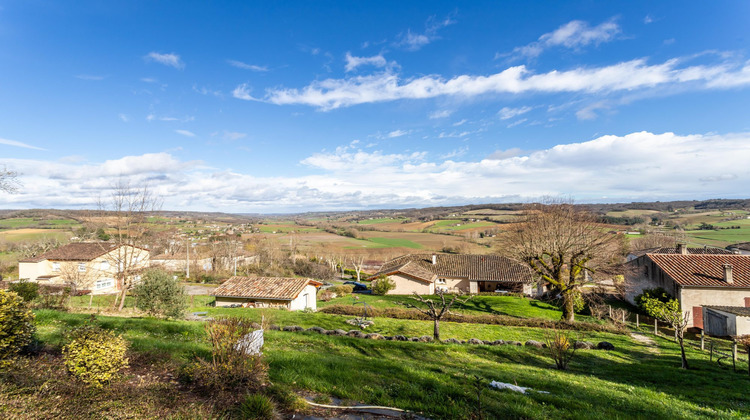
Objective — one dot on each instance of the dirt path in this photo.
(646, 341)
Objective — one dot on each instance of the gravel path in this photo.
(646, 341)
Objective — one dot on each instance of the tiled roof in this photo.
(673, 250)
(704, 270)
(282, 288)
(737, 310)
(79, 251)
(469, 266)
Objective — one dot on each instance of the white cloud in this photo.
(507, 113)
(245, 66)
(15, 143)
(460, 123)
(637, 166)
(149, 80)
(574, 34)
(412, 41)
(627, 76)
(123, 117)
(171, 59)
(648, 19)
(440, 114)
(233, 135)
(185, 133)
(353, 62)
(154, 117)
(397, 133)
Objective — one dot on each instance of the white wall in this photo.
(406, 285)
(306, 299)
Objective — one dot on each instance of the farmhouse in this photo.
(86, 265)
(679, 249)
(294, 294)
(694, 279)
(425, 274)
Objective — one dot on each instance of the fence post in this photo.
(711, 347)
(734, 355)
(610, 311)
(703, 339)
(637, 322)
(623, 317)
(656, 327)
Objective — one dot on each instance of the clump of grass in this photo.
(257, 407)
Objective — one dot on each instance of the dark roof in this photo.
(468, 266)
(79, 251)
(674, 250)
(745, 246)
(736, 310)
(281, 288)
(704, 270)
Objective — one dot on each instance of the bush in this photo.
(257, 407)
(16, 325)
(656, 293)
(382, 285)
(231, 372)
(342, 289)
(94, 355)
(27, 290)
(53, 297)
(561, 348)
(160, 294)
(325, 295)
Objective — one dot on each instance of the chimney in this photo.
(682, 248)
(728, 273)
(434, 259)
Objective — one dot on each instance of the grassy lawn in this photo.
(386, 243)
(27, 222)
(435, 379)
(494, 305)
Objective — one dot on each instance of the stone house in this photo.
(470, 273)
(696, 280)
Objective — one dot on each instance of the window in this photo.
(55, 266)
(82, 267)
(104, 265)
(440, 281)
(104, 283)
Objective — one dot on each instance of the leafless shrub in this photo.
(560, 346)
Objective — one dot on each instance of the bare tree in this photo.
(79, 275)
(435, 309)
(565, 247)
(126, 213)
(8, 180)
(357, 262)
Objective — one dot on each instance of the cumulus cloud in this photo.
(574, 35)
(627, 76)
(397, 133)
(245, 66)
(171, 59)
(443, 113)
(353, 62)
(637, 166)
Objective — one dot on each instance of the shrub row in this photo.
(399, 313)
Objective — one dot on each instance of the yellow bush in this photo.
(94, 355)
(16, 325)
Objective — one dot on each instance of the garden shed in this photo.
(722, 321)
(295, 294)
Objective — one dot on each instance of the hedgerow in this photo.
(16, 325)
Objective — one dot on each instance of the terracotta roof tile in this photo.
(282, 288)
(469, 266)
(704, 270)
(673, 250)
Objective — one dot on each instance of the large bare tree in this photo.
(565, 246)
(125, 212)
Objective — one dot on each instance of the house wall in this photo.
(691, 297)
(31, 270)
(306, 299)
(643, 274)
(406, 285)
(454, 285)
(252, 303)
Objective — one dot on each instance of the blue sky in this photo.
(303, 106)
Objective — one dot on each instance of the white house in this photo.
(295, 294)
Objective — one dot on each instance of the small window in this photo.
(440, 281)
(82, 267)
(104, 265)
(55, 266)
(104, 283)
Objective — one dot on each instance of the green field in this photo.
(30, 223)
(386, 243)
(434, 379)
(380, 220)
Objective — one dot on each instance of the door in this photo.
(715, 323)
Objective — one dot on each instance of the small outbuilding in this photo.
(294, 294)
(723, 321)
